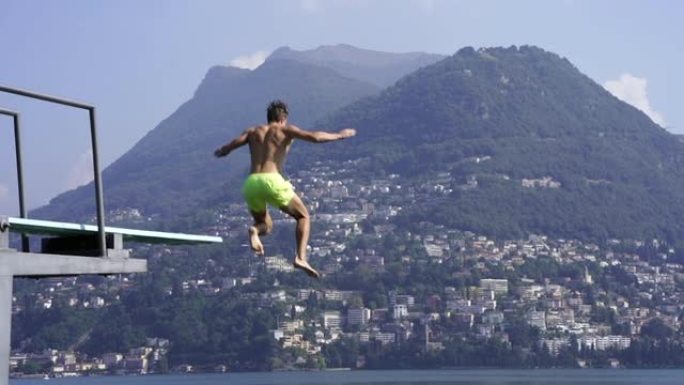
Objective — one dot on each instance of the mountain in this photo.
(172, 167)
(525, 143)
(379, 68)
(499, 141)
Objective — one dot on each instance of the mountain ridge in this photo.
(227, 97)
(534, 116)
(379, 68)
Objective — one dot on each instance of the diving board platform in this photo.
(67, 238)
(67, 249)
(43, 227)
(70, 249)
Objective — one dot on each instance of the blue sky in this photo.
(138, 60)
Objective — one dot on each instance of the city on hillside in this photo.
(420, 290)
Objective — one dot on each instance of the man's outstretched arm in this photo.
(318, 136)
(224, 150)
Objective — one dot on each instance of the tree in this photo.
(656, 329)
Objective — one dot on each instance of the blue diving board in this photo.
(43, 227)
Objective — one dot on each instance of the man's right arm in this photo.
(318, 136)
(241, 140)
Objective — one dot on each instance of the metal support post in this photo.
(99, 196)
(99, 200)
(20, 173)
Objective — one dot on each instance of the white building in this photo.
(385, 338)
(604, 342)
(555, 345)
(399, 311)
(498, 286)
(358, 316)
(332, 320)
(291, 326)
(536, 318)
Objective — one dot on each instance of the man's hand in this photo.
(347, 133)
(219, 153)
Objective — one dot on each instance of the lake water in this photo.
(405, 377)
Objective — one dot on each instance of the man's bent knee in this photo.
(296, 213)
(264, 223)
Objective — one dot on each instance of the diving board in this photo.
(37, 226)
(70, 249)
(67, 248)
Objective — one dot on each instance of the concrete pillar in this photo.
(5, 326)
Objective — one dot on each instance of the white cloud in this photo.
(250, 61)
(318, 6)
(310, 6)
(82, 172)
(631, 89)
(427, 6)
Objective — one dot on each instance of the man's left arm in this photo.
(224, 150)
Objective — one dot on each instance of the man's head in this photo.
(276, 111)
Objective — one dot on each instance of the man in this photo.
(268, 146)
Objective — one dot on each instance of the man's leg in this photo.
(298, 211)
(262, 226)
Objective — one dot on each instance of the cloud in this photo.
(310, 6)
(318, 6)
(250, 61)
(82, 172)
(631, 89)
(427, 6)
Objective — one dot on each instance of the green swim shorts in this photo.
(271, 188)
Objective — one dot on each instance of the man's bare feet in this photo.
(255, 242)
(304, 265)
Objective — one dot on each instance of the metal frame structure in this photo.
(73, 249)
(96, 159)
(17, 264)
(20, 172)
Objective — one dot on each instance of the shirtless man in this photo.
(268, 146)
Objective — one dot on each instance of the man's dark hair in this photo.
(276, 111)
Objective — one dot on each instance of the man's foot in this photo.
(304, 265)
(255, 242)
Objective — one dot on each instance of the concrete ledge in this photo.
(13, 263)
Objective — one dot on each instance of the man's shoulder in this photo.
(256, 129)
(290, 128)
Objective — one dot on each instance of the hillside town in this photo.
(572, 296)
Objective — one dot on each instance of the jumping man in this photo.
(268, 146)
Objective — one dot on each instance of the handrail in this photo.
(96, 163)
(20, 174)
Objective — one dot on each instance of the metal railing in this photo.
(20, 174)
(96, 163)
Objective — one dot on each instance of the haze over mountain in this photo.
(522, 139)
(379, 68)
(172, 167)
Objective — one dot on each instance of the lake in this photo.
(406, 377)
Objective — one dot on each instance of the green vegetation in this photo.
(481, 121)
(526, 114)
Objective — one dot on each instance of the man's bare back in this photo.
(270, 143)
(268, 146)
